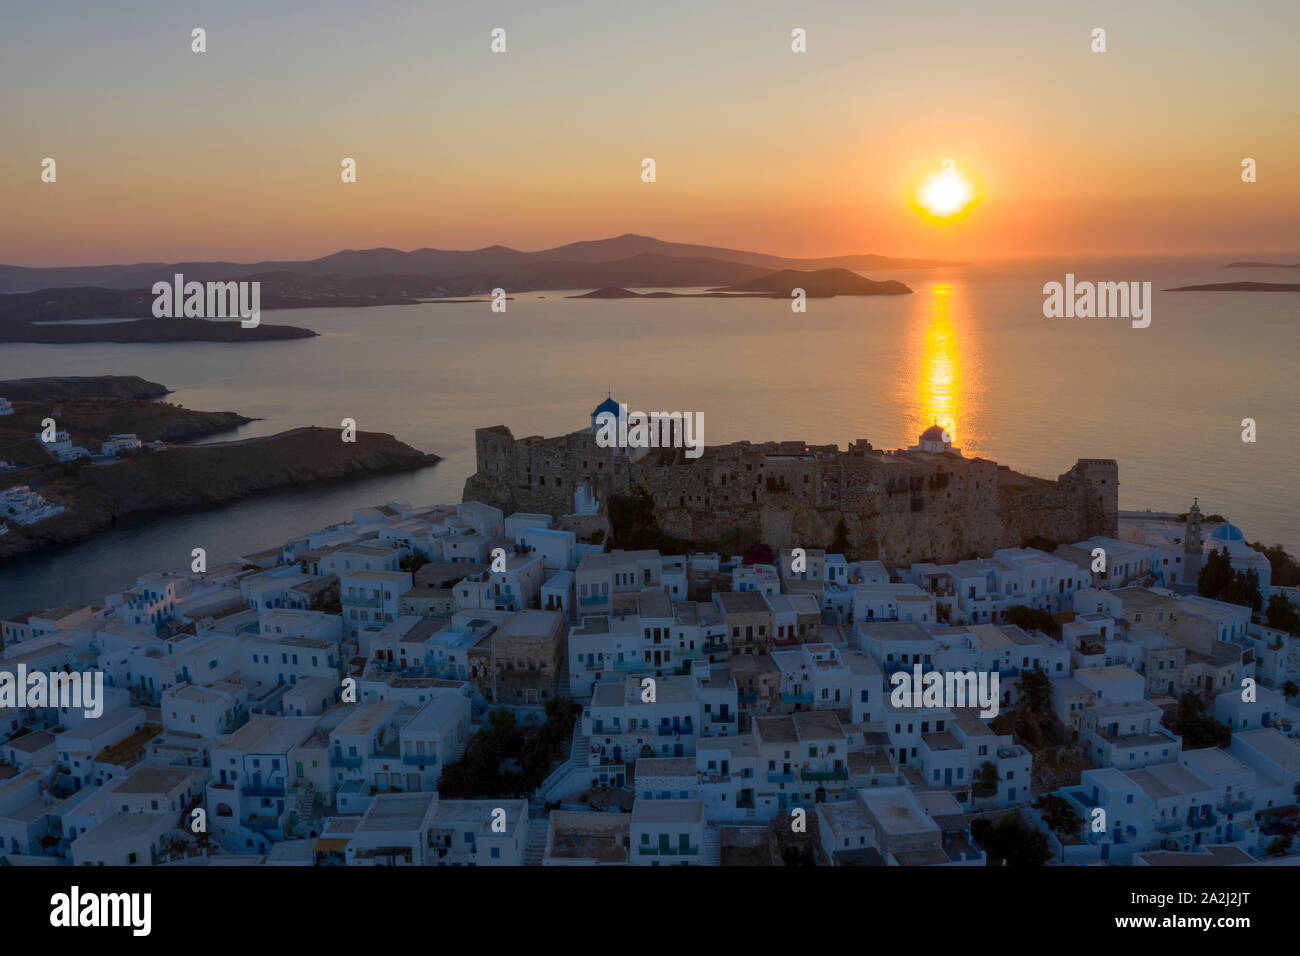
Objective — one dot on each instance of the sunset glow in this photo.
(946, 196)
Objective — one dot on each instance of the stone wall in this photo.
(899, 507)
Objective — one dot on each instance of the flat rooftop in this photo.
(896, 811)
(390, 812)
(668, 811)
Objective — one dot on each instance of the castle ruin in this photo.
(925, 503)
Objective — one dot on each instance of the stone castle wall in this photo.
(899, 507)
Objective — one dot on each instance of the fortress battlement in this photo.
(923, 503)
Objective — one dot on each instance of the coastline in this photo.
(204, 476)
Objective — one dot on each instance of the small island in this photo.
(1240, 287)
(816, 284)
(114, 459)
(617, 293)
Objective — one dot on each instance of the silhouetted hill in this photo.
(494, 265)
(1240, 287)
(821, 283)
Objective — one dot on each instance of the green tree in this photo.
(1059, 815)
(1198, 728)
(986, 780)
(413, 562)
(1282, 614)
(1286, 572)
(1035, 689)
(635, 526)
(1032, 619)
(1219, 581)
(1011, 842)
(1279, 846)
(1216, 574)
(1289, 689)
(840, 543)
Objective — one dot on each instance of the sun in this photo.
(945, 196)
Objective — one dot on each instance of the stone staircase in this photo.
(711, 854)
(580, 752)
(304, 802)
(571, 774)
(535, 850)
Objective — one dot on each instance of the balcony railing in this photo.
(797, 698)
(1208, 820)
(674, 730)
(263, 791)
(1234, 806)
(839, 773)
(419, 760)
(598, 599)
(338, 760)
(774, 777)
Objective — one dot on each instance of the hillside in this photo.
(199, 476)
(491, 265)
(818, 284)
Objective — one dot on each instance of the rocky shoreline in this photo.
(201, 476)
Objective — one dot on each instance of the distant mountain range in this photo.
(628, 260)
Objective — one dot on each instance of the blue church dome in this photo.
(1227, 532)
(608, 405)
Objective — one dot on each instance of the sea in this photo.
(970, 349)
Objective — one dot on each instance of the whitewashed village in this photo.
(456, 686)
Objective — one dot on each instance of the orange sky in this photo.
(164, 154)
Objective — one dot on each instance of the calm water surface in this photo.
(970, 350)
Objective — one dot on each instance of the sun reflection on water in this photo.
(942, 391)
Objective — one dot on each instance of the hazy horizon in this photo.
(1281, 256)
(234, 154)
